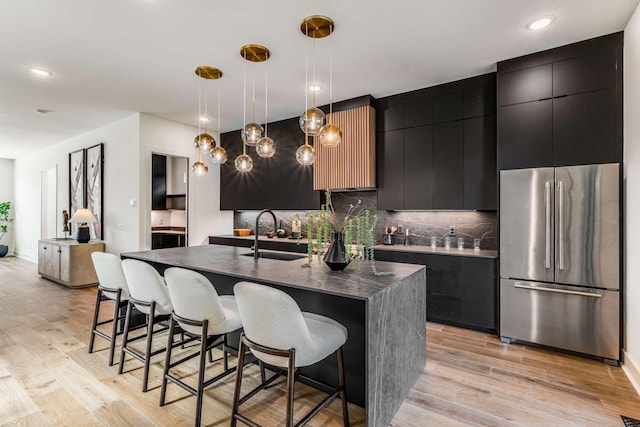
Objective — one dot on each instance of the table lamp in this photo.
(83, 217)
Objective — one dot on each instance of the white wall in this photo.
(6, 195)
(121, 184)
(205, 218)
(632, 184)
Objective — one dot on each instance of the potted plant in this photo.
(5, 208)
(342, 233)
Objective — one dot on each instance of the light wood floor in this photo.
(48, 378)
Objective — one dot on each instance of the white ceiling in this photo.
(112, 58)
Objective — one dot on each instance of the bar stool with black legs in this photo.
(280, 335)
(203, 316)
(111, 286)
(148, 294)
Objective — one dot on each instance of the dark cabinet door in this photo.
(480, 174)
(529, 84)
(158, 182)
(156, 241)
(418, 168)
(443, 275)
(390, 117)
(390, 170)
(478, 285)
(448, 165)
(584, 128)
(448, 107)
(480, 101)
(585, 73)
(418, 113)
(526, 135)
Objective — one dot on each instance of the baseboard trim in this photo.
(25, 257)
(630, 368)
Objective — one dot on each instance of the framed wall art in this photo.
(94, 161)
(77, 192)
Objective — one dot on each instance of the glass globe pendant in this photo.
(330, 135)
(200, 168)
(305, 155)
(244, 163)
(311, 121)
(251, 133)
(218, 155)
(204, 142)
(266, 147)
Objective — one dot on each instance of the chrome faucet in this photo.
(275, 226)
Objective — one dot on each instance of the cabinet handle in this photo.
(557, 290)
(547, 223)
(561, 225)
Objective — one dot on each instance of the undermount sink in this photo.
(282, 256)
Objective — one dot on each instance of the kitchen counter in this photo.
(385, 316)
(286, 244)
(168, 232)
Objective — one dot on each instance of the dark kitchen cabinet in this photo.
(279, 182)
(530, 84)
(418, 168)
(478, 278)
(526, 138)
(422, 165)
(480, 178)
(167, 240)
(390, 179)
(158, 182)
(584, 128)
(461, 290)
(448, 165)
(563, 106)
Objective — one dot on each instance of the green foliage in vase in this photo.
(5, 208)
(357, 225)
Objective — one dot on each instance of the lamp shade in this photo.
(82, 216)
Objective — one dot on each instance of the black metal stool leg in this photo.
(167, 361)
(125, 336)
(236, 392)
(291, 381)
(114, 329)
(203, 359)
(95, 321)
(343, 393)
(147, 356)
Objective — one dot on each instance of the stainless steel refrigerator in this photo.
(560, 258)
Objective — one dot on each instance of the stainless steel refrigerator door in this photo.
(587, 200)
(526, 224)
(569, 317)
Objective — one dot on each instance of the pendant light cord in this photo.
(244, 99)
(219, 141)
(313, 51)
(331, 84)
(266, 99)
(253, 93)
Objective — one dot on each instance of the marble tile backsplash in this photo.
(421, 224)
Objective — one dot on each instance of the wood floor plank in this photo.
(47, 376)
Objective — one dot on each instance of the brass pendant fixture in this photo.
(330, 135)
(205, 142)
(315, 27)
(252, 132)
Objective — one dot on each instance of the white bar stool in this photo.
(111, 286)
(204, 316)
(149, 294)
(279, 334)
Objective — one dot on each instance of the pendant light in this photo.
(330, 135)
(315, 27)
(305, 154)
(252, 132)
(204, 141)
(266, 147)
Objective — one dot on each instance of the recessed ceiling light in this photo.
(42, 111)
(315, 87)
(540, 23)
(40, 71)
(205, 119)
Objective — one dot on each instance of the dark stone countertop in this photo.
(356, 283)
(287, 244)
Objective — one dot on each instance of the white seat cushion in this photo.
(231, 320)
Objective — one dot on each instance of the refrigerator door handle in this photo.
(560, 225)
(547, 224)
(556, 290)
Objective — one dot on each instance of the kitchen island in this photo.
(385, 316)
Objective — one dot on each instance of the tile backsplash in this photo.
(421, 224)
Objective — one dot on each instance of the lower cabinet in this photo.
(167, 240)
(68, 262)
(461, 290)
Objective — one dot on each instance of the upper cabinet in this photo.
(563, 106)
(437, 147)
(158, 182)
